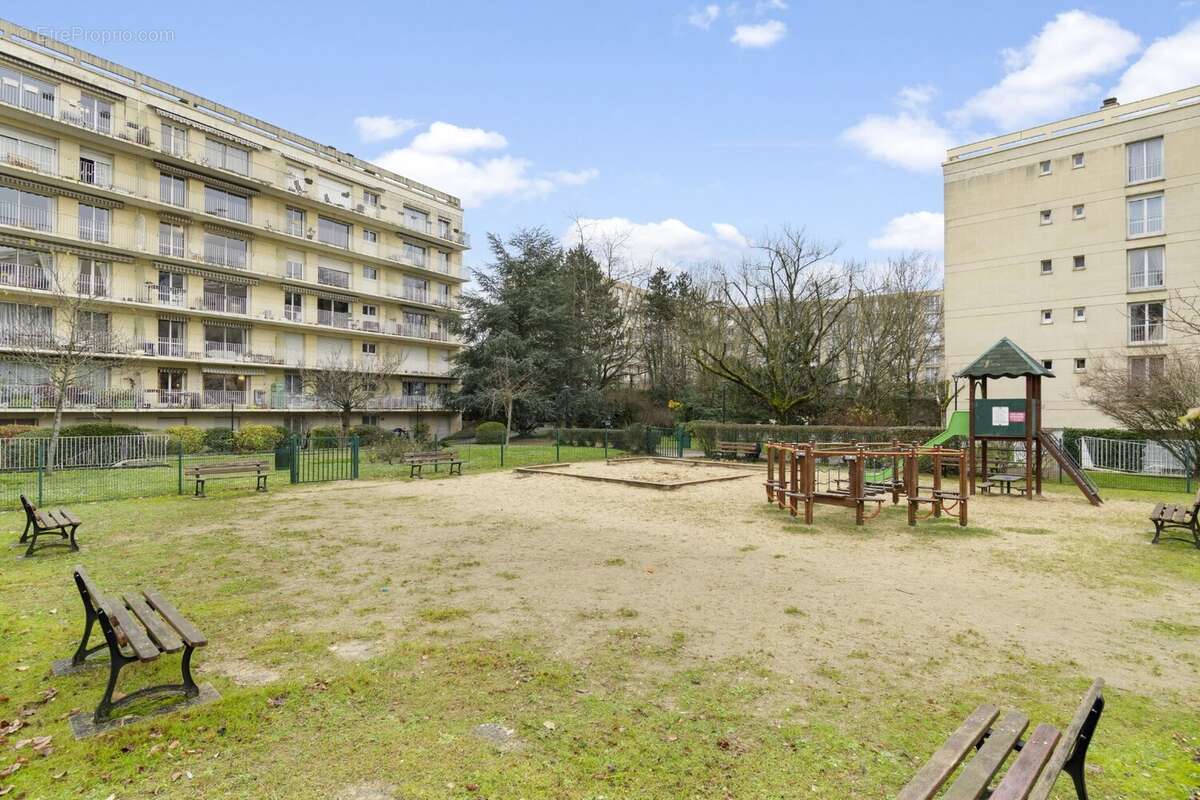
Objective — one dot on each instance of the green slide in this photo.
(960, 422)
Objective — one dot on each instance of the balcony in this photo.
(170, 348)
(43, 396)
(421, 332)
(26, 276)
(96, 120)
(228, 351)
(168, 296)
(224, 256)
(218, 301)
(333, 277)
(336, 319)
(95, 173)
(27, 155)
(93, 286)
(224, 397)
(293, 313)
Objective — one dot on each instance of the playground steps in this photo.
(1069, 466)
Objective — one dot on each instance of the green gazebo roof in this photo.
(1005, 360)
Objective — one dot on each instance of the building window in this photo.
(1146, 268)
(338, 276)
(333, 232)
(95, 168)
(1047, 266)
(18, 89)
(94, 278)
(294, 264)
(369, 236)
(1145, 160)
(444, 228)
(1046, 216)
(171, 240)
(370, 199)
(294, 219)
(333, 312)
(1146, 215)
(417, 220)
(26, 209)
(1146, 322)
(371, 419)
(293, 383)
(1080, 313)
(414, 254)
(95, 224)
(226, 204)
(293, 306)
(97, 114)
(1077, 161)
(1048, 363)
(27, 151)
(370, 311)
(369, 348)
(1078, 211)
(172, 189)
(1047, 316)
(1081, 365)
(174, 140)
(333, 191)
(29, 269)
(226, 156)
(1143, 369)
(370, 273)
(1080, 262)
(227, 251)
(1044, 168)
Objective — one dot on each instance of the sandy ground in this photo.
(655, 471)
(571, 561)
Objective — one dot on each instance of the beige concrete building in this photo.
(1073, 239)
(223, 253)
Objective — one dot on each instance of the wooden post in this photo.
(910, 484)
(1028, 437)
(770, 484)
(971, 430)
(1037, 391)
(937, 480)
(962, 489)
(780, 469)
(810, 483)
(792, 480)
(857, 487)
(983, 443)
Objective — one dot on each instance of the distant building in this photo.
(1073, 239)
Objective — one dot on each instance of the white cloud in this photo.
(704, 17)
(669, 242)
(441, 156)
(765, 34)
(1171, 63)
(919, 230)
(915, 97)
(767, 6)
(378, 129)
(1054, 72)
(909, 139)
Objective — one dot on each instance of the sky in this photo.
(690, 130)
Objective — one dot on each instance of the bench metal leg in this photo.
(262, 483)
(1074, 765)
(199, 487)
(67, 535)
(117, 660)
(25, 533)
(83, 651)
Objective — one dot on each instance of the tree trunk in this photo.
(508, 407)
(52, 450)
(346, 420)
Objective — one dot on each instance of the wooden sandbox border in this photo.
(746, 471)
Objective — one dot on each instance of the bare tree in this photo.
(347, 385)
(512, 380)
(1153, 402)
(772, 324)
(70, 346)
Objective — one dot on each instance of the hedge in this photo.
(218, 440)
(258, 438)
(189, 437)
(489, 433)
(708, 433)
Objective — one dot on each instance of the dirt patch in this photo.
(243, 673)
(718, 572)
(355, 650)
(372, 790)
(503, 738)
(657, 473)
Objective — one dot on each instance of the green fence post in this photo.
(502, 454)
(558, 446)
(295, 465)
(179, 468)
(354, 458)
(679, 441)
(605, 445)
(41, 468)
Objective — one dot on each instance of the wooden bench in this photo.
(734, 450)
(230, 469)
(137, 628)
(1031, 776)
(60, 522)
(435, 458)
(1166, 516)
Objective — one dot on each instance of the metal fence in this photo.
(1133, 464)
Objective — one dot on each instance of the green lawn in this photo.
(633, 717)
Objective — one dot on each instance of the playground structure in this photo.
(1011, 422)
(802, 475)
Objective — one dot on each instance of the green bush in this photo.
(9, 431)
(369, 435)
(35, 433)
(489, 433)
(218, 440)
(100, 429)
(257, 438)
(191, 438)
(325, 436)
(634, 438)
(392, 449)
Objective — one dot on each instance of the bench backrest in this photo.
(747, 446)
(1079, 734)
(441, 455)
(30, 508)
(87, 590)
(227, 467)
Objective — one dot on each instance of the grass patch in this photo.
(440, 614)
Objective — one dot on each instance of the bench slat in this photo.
(92, 591)
(1067, 744)
(66, 516)
(935, 772)
(1019, 780)
(187, 631)
(163, 636)
(143, 648)
(973, 781)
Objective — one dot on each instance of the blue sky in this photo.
(691, 127)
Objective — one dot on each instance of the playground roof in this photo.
(1004, 360)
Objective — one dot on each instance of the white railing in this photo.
(216, 301)
(93, 230)
(224, 397)
(85, 451)
(227, 350)
(1145, 226)
(93, 286)
(1151, 170)
(95, 173)
(413, 294)
(37, 219)
(224, 256)
(169, 245)
(333, 277)
(293, 313)
(37, 103)
(337, 319)
(98, 121)
(26, 276)
(28, 155)
(173, 398)
(162, 295)
(172, 348)
(1136, 457)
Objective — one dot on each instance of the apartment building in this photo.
(1074, 239)
(220, 254)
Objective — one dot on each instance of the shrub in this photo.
(100, 429)
(419, 432)
(218, 440)
(392, 449)
(256, 438)
(325, 436)
(369, 435)
(35, 433)
(9, 431)
(634, 440)
(489, 433)
(190, 438)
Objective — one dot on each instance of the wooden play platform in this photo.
(647, 472)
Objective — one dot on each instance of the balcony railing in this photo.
(224, 256)
(333, 277)
(1151, 170)
(92, 120)
(171, 348)
(1145, 226)
(293, 313)
(95, 230)
(93, 286)
(231, 351)
(44, 396)
(35, 219)
(26, 276)
(27, 155)
(95, 173)
(217, 301)
(162, 295)
(336, 319)
(224, 397)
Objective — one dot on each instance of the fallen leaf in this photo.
(22, 743)
(176, 776)
(12, 727)
(22, 668)
(59, 776)
(548, 725)
(276, 702)
(10, 769)
(5, 790)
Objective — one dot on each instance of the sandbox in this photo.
(648, 472)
